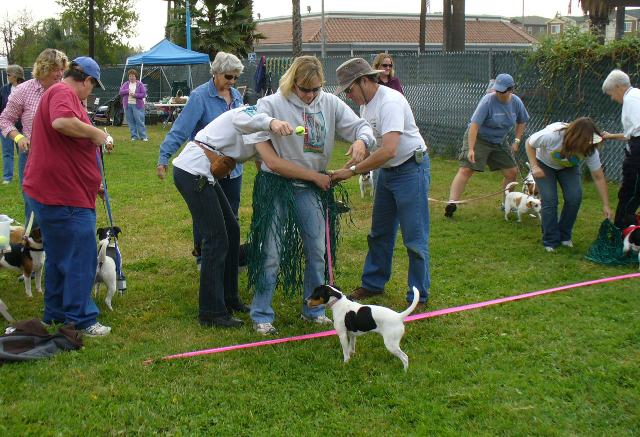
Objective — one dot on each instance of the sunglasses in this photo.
(231, 77)
(387, 65)
(508, 90)
(308, 90)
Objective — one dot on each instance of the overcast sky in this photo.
(150, 28)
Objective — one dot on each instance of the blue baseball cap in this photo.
(89, 67)
(503, 82)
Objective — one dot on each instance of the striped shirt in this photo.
(21, 106)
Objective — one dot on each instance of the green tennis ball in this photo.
(299, 130)
(3, 240)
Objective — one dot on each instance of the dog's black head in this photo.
(323, 295)
(108, 232)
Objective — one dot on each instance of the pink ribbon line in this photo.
(408, 319)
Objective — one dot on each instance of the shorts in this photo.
(496, 156)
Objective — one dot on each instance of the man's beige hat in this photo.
(351, 70)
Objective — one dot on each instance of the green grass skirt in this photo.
(607, 248)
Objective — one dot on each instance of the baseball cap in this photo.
(503, 81)
(351, 70)
(89, 67)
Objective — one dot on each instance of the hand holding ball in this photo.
(299, 130)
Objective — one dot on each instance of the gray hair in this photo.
(617, 78)
(226, 63)
(16, 71)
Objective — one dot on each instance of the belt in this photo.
(397, 167)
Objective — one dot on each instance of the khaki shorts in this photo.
(496, 156)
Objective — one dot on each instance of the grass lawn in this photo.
(560, 364)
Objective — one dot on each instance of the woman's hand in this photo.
(322, 181)
(471, 156)
(537, 172)
(280, 127)
(161, 171)
(607, 211)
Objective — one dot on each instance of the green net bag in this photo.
(607, 248)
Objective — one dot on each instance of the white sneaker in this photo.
(549, 249)
(567, 243)
(320, 320)
(145, 139)
(5, 182)
(97, 330)
(264, 328)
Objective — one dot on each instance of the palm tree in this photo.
(423, 25)
(598, 12)
(296, 29)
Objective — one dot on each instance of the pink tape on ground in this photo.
(430, 314)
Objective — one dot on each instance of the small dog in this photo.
(522, 203)
(631, 237)
(529, 186)
(105, 272)
(366, 184)
(351, 319)
(27, 257)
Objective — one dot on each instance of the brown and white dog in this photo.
(351, 319)
(529, 184)
(26, 258)
(366, 184)
(521, 202)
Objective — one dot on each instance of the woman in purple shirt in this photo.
(388, 78)
(133, 93)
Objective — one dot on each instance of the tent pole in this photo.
(190, 79)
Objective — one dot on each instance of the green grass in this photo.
(560, 364)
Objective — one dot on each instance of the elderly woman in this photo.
(15, 76)
(484, 141)
(618, 86)
(288, 222)
(133, 93)
(555, 154)
(195, 177)
(205, 103)
(23, 102)
(387, 76)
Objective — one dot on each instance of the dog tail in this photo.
(414, 304)
(102, 252)
(510, 187)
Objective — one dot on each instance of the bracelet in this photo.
(517, 140)
(18, 138)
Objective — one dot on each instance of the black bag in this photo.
(31, 341)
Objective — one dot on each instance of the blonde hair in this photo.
(380, 57)
(47, 61)
(302, 71)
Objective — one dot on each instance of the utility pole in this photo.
(188, 23)
(322, 32)
(92, 30)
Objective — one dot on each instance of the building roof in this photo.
(389, 28)
(531, 20)
(635, 13)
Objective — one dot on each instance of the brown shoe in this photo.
(363, 293)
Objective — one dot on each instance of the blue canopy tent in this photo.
(167, 53)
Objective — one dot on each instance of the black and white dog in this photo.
(105, 273)
(351, 319)
(26, 258)
(366, 184)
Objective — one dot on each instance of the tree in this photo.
(453, 22)
(11, 28)
(296, 23)
(423, 25)
(598, 12)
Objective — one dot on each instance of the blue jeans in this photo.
(310, 220)
(219, 245)
(8, 152)
(400, 201)
(135, 120)
(69, 235)
(22, 162)
(556, 230)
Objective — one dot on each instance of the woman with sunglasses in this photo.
(288, 225)
(387, 77)
(484, 141)
(205, 103)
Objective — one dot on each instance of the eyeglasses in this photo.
(386, 65)
(508, 90)
(308, 90)
(231, 77)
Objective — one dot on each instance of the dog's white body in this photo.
(36, 265)
(529, 184)
(105, 273)
(351, 319)
(522, 203)
(366, 184)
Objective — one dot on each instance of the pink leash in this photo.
(408, 319)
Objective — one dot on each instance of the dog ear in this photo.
(99, 231)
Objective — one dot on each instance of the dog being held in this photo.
(26, 258)
(529, 184)
(351, 319)
(366, 184)
(105, 272)
(521, 202)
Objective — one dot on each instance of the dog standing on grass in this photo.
(26, 257)
(366, 184)
(105, 273)
(521, 202)
(351, 319)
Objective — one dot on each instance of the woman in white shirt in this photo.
(555, 154)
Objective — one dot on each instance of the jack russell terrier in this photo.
(26, 258)
(521, 202)
(105, 272)
(366, 184)
(351, 319)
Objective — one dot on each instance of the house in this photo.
(534, 25)
(351, 34)
(560, 24)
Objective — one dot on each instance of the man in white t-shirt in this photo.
(403, 183)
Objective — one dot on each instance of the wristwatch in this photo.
(353, 169)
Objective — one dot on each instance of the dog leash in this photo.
(467, 200)
(427, 315)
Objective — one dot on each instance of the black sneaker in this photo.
(222, 321)
(450, 209)
(237, 307)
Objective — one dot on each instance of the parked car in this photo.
(111, 113)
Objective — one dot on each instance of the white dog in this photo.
(366, 184)
(522, 203)
(351, 319)
(529, 184)
(105, 272)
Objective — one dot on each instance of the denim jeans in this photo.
(8, 152)
(400, 201)
(22, 163)
(310, 220)
(69, 236)
(135, 120)
(219, 245)
(556, 230)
